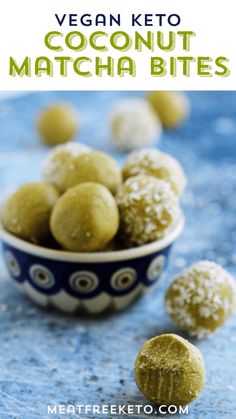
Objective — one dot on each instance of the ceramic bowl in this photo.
(91, 282)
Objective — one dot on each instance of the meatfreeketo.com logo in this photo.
(114, 409)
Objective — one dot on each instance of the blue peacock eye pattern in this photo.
(123, 279)
(12, 264)
(41, 276)
(156, 268)
(85, 282)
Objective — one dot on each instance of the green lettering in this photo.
(48, 40)
(23, 70)
(126, 65)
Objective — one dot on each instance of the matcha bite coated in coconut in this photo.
(170, 370)
(59, 161)
(201, 298)
(27, 212)
(148, 210)
(134, 124)
(57, 124)
(152, 162)
(85, 218)
(171, 107)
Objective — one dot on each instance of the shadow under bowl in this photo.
(91, 282)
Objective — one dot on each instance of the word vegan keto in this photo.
(70, 55)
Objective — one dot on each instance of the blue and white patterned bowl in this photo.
(92, 282)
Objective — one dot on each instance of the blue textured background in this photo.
(46, 357)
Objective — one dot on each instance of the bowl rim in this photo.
(95, 257)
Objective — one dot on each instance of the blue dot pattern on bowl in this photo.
(94, 286)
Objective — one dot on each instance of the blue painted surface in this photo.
(47, 357)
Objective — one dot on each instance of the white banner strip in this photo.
(104, 45)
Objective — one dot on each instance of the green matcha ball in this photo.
(27, 212)
(148, 210)
(57, 124)
(85, 218)
(91, 167)
(201, 298)
(170, 370)
(171, 107)
(152, 162)
(58, 162)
